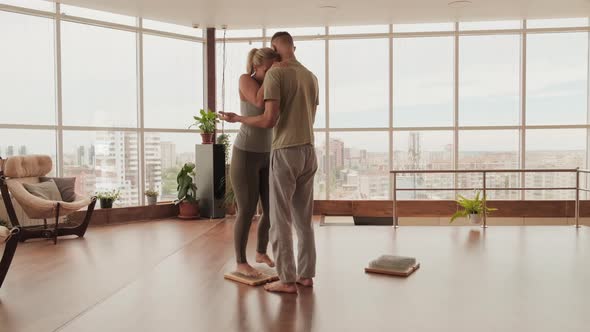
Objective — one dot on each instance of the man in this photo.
(291, 98)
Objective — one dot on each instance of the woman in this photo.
(249, 168)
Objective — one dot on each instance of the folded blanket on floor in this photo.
(391, 262)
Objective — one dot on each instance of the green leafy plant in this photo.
(151, 193)
(224, 140)
(112, 195)
(187, 190)
(206, 121)
(471, 206)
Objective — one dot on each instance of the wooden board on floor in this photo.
(268, 275)
(394, 273)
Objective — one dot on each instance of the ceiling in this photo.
(298, 13)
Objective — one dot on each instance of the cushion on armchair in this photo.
(45, 190)
(66, 187)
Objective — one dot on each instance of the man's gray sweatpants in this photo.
(291, 203)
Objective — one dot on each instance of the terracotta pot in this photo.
(188, 210)
(208, 138)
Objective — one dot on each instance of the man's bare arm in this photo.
(266, 120)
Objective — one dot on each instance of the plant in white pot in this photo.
(152, 196)
(473, 209)
(187, 193)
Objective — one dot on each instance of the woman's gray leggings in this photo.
(249, 173)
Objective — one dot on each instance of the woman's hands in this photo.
(229, 117)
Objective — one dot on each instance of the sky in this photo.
(100, 81)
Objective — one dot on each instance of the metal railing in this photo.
(484, 188)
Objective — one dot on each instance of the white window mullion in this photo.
(391, 101)
(327, 106)
(523, 73)
(456, 107)
(140, 113)
(58, 92)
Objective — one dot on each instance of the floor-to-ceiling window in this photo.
(110, 97)
(468, 95)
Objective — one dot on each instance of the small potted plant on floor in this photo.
(152, 196)
(473, 209)
(187, 190)
(107, 198)
(206, 123)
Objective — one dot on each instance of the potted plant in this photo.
(206, 123)
(229, 200)
(187, 190)
(152, 196)
(107, 198)
(473, 209)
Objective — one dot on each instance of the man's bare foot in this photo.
(307, 282)
(280, 287)
(263, 258)
(247, 270)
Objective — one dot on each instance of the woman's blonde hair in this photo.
(256, 57)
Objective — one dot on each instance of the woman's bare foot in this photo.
(280, 287)
(307, 282)
(263, 258)
(247, 270)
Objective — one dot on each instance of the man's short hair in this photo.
(283, 36)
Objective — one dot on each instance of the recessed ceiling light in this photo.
(459, 4)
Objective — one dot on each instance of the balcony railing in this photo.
(484, 188)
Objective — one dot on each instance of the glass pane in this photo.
(174, 28)
(490, 25)
(490, 149)
(423, 150)
(98, 15)
(99, 76)
(423, 81)
(312, 55)
(557, 78)
(18, 142)
(238, 33)
(27, 71)
(32, 4)
(103, 161)
(489, 80)
(165, 153)
(554, 148)
(423, 27)
(359, 165)
(359, 83)
(360, 29)
(173, 81)
(319, 184)
(558, 23)
(236, 55)
(307, 31)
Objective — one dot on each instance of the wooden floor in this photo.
(168, 276)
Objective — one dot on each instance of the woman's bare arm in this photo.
(251, 91)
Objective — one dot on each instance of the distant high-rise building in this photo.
(22, 150)
(336, 153)
(153, 162)
(81, 156)
(92, 155)
(168, 154)
(10, 150)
